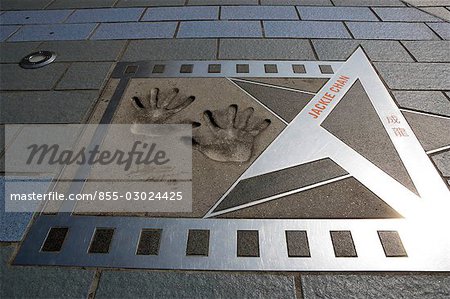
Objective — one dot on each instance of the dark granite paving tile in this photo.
(7, 31)
(103, 15)
(442, 161)
(343, 244)
(198, 242)
(53, 32)
(61, 4)
(101, 241)
(171, 49)
(426, 101)
(267, 49)
(343, 286)
(392, 244)
(297, 244)
(247, 243)
(137, 30)
(46, 106)
(69, 51)
(336, 13)
(16, 78)
(412, 76)
(41, 282)
(35, 17)
(85, 75)
(206, 29)
(144, 3)
(55, 239)
(429, 51)
(23, 4)
(305, 29)
(178, 284)
(14, 52)
(149, 242)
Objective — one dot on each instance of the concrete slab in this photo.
(47, 106)
(429, 51)
(24, 4)
(429, 2)
(440, 12)
(336, 13)
(223, 2)
(219, 29)
(297, 2)
(305, 29)
(141, 3)
(377, 50)
(41, 282)
(53, 32)
(194, 285)
(341, 286)
(14, 52)
(426, 101)
(70, 51)
(368, 3)
(391, 30)
(102, 15)
(135, 30)
(85, 75)
(405, 14)
(16, 78)
(35, 17)
(7, 31)
(81, 4)
(171, 49)
(267, 49)
(443, 29)
(442, 161)
(181, 13)
(258, 13)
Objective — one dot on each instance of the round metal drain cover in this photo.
(37, 59)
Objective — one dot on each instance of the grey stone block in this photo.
(406, 14)
(427, 101)
(267, 49)
(53, 32)
(106, 15)
(84, 50)
(368, 3)
(305, 29)
(258, 13)
(35, 17)
(385, 30)
(222, 2)
(220, 29)
(429, 51)
(377, 50)
(181, 13)
(14, 52)
(6, 31)
(297, 2)
(336, 13)
(194, 285)
(135, 30)
(413, 76)
(85, 75)
(140, 3)
(81, 4)
(340, 286)
(443, 29)
(41, 282)
(175, 49)
(23, 4)
(16, 78)
(442, 161)
(47, 106)
(440, 12)
(429, 2)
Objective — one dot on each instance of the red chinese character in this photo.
(393, 119)
(400, 132)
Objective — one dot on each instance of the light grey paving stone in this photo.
(413, 76)
(16, 78)
(368, 3)
(440, 12)
(135, 30)
(429, 51)
(69, 51)
(406, 14)
(297, 2)
(171, 49)
(41, 282)
(305, 29)
(101, 15)
(181, 13)
(85, 75)
(14, 52)
(387, 30)
(220, 29)
(47, 106)
(6, 31)
(258, 13)
(340, 286)
(429, 2)
(23, 4)
(443, 29)
(427, 101)
(442, 161)
(222, 2)
(35, 17)
(193, 285)
(377, 50)
(336, 13)
(267, 49)
(53, 32)
(81, 4)
(141, 3)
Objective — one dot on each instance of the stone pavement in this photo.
(407, 41)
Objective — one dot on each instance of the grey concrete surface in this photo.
(427, 101)
(14, 52)
(16, 78)
(85, 75)
(442, 161)
(429, 51)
